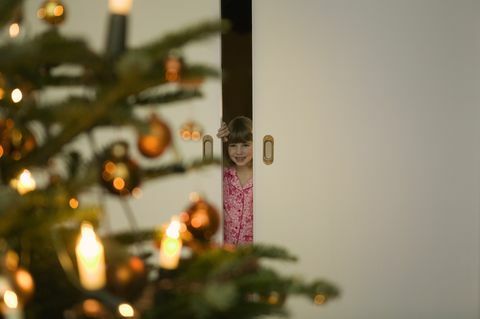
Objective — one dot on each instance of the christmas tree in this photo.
(53, 264)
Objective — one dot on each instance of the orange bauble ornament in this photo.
(127, 279)
(192, 83)
(24, 283)
(156, 141)
(191, 131)
(173, 67)
(202, 220)
(52, 12)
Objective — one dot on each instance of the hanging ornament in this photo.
(15, 142)
(319, 299)
(119, 174)
(3, 85)
(52, 12)
(127, 279)
(173, 67)
(192, 83)
(156, 141)
(191, 131)
(274, 298)
(202, 220)
(89, 309)
(24, 284)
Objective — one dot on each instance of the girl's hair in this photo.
(240, 129)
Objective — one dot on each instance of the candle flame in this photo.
(10, 298)
(24, 183)
(173, 230)
(88, 243)
(121, 7)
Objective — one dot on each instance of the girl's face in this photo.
(241, 153)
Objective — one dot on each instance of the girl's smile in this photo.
(240, 153)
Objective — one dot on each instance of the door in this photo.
(374, 109)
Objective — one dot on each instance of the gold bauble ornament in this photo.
(15, 143)
(3, 85)
(274, 298)
(202, 220)
(52, 12)
(156, 141)
(90, 309)
(127, 279)
(191, 131)
(119, 173)
(173, 67)
(192, 83)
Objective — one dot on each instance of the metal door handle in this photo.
(268, 150)
(207, 146)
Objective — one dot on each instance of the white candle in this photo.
(90, 259)
(171, 246)
(121, 7)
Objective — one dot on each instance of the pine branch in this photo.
(175, 40)
(176, 168)
(167, 98)
(29, 59)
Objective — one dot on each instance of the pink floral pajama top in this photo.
(237, 209)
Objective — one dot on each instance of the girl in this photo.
(237, 181)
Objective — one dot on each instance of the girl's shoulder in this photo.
(229, 172)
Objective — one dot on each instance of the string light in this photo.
(14, 30)
(126, 310)
(24, 183)
(73, 203)
(10, 299)
(16, 95)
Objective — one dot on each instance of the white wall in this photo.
(149, 20)
(374, 107)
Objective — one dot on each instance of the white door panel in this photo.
(375, 185)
